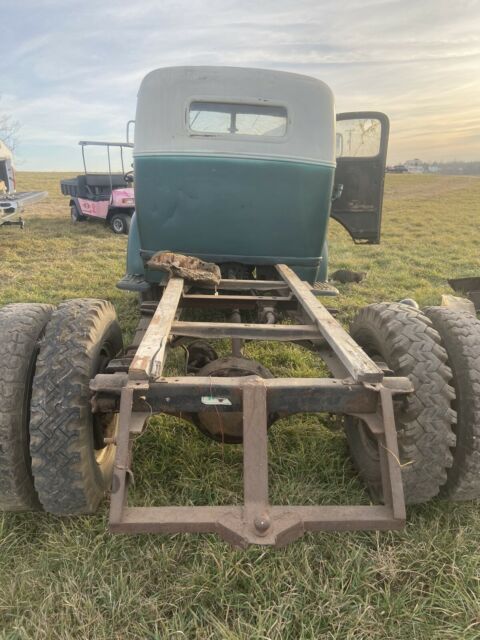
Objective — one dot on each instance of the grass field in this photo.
(65, 578)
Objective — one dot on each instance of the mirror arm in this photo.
(337, 192)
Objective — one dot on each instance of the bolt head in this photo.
(262, 523)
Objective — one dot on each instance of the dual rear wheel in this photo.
(438, 426)
(460, 335)
(21, 329)
(52, 450)
(53, 453)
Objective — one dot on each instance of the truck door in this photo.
(362, 140)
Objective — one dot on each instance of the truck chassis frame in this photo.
(136, 387)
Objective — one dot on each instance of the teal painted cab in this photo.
(248, 211)
(235, 166)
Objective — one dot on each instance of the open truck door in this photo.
(362, 141)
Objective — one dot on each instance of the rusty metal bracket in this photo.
(259, 522)
(362, 392)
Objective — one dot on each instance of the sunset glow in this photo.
(76, 69)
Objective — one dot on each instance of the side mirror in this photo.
(337, 191)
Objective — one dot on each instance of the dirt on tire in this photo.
(405, 340)
(71, 470)
(460, 333)
(21, 326)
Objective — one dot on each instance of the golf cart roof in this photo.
(94, 143)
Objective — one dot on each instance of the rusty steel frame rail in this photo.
(355, 360)
(286, 396)
(144, 390)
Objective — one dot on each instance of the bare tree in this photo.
(9, 128)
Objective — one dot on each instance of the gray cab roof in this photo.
(162, 122)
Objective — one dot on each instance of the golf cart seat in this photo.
(96, 185)
(100, 182)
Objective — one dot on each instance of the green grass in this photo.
(68, 578)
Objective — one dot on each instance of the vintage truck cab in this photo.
(240, 171)
(240, 166)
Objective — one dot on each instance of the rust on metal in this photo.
(352, 356)
(280, 332)
(253, 400)
(285, 395)
(255, 457)
(250, 285)
(149, 358)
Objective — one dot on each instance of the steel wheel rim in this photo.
(104, 424)
(117, 225)
(111, 432)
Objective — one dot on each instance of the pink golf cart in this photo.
(102, 196)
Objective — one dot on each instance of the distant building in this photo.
(415, 166)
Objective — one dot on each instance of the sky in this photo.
(70, 70)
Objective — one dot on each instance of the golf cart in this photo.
(11, 202)
(102, 196)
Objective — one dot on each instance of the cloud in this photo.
(77, 69)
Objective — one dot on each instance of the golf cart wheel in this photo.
(21, 327)
(75, 214)
(120, 223)
(404, 339)
(460, 333)
(72, 466)
(222, 426)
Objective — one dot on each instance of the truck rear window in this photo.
(227, 118)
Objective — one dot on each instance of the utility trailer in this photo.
(236, 170)
(12, 202)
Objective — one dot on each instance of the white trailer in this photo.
(11, 202)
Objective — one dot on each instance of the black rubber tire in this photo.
(21, 326)
(460, 333)
(71, 470)
(120, 223)
(75, 214)
(405, 340)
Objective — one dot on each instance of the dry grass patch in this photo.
(63, 578)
